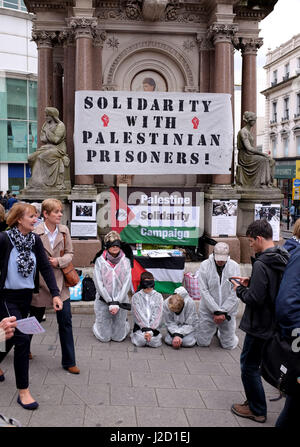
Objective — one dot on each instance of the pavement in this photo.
(121, 385)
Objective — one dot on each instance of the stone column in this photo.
(83, 28)
(222, 35)
(67, 38)
(204, 47)
(58, 89)
(44, 41)
(99, 39)
(249, 47)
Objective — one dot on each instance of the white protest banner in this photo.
(152, 133)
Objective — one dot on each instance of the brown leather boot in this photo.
(73, 370)
(243, 410)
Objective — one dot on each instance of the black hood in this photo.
(277, 257)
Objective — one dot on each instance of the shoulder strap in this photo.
(62, 252)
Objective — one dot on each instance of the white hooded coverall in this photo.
(112, 284)
(185, 323)
(217, 295)
(147, 311)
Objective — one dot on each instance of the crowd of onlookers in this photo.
(36, 248)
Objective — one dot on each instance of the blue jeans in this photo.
(65, 330)
(289, 416)
(251, 357)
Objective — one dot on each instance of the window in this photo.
(274, 148)
(13, 4)
(274, 82)
(274, 112)
(286, 111)
(18, 119)
(286, 147)
(286, 71)
(298, 144)
(298, 105)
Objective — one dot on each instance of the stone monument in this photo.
(49, 163)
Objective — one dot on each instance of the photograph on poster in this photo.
(84, 211)
(224, 217)
(272, 214)
(83, 229)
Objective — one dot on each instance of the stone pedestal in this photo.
(246, 209)
(220, 192)
(83, 192)
(85, 251)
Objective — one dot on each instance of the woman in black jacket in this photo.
(22, 257)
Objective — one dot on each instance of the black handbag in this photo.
(280, 365)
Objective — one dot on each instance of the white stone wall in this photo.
(286, 130)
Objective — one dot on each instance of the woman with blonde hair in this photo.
(293, 243)
(58, 245)
(22, 258)
(3, 224)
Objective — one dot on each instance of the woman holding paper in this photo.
(22, 258)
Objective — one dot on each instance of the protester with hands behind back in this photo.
(58, 245)
(22, 258)
(258, 321)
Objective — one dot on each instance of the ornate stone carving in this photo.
(43, 39)
(83, 26)
(162, 47)
(100, 37)
(113, 42)
(248, 45)
(203, 43)
(67, 37)
(133, 9)
(188, 45)
(222, 32)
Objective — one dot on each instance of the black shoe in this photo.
(33, 406)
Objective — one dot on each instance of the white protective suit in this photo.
(112, 284)
(217, 296)
(185, 323)
(147, 310)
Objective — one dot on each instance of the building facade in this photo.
(18, 94)
(282, 119)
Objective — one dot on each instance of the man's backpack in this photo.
(88, 289)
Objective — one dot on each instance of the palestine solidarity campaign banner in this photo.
(162, 216)
(152, 133)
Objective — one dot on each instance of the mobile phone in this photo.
(234, 279)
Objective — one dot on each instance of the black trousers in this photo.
(17, 303)
(64, 321)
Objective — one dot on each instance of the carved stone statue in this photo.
(255, 169)
(49, 162)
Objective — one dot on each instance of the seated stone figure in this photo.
(49, 161)
(255, 169)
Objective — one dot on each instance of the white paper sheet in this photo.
(30, 326)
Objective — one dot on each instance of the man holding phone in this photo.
(258, 321)
(218, 305)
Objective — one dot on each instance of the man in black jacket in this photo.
(258, 293)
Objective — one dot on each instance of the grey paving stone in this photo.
(152, 380)
(215, 356)
(134, 396)
(57, 416)
(110, 416)
(105, 354)
(181, 354)
(232, 369)
(94, 395)
(198, 367)
(228, 383)
(46, 394)
(59, 375)
(167, 366)
(136, 353)
(37, 350)
(194, 381)
(18, 413)
(131, 365)
(161, 417)
(110, 377)
(182, 398)
(8, 393)
(221, 400)
(211, 418)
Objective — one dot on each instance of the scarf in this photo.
(113, 260)
(24, 246)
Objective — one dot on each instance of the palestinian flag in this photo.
(167, 272)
